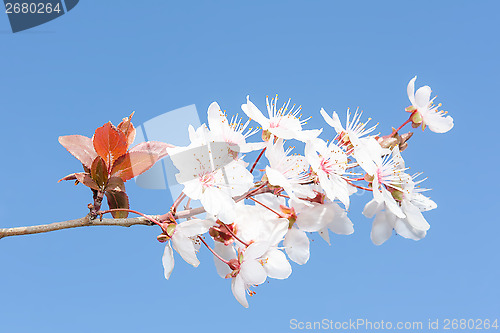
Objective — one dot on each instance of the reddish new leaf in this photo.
(128, 129)
(153, 147)
(99, 171)
(81, 177)
(115, 184)
(109, 143)
(133, 164)
(80, 147)
(117, 200)
(68, 177)
(86, 180)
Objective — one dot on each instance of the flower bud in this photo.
(234, 264)
(162, 238)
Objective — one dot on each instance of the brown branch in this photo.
(81, 222)
(87, 222)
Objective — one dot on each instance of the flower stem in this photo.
(405, 123)
(177, 202)
(257, 160)
(233, 234)
(149, 218)
(360, 187)
(213, 252)
(260, 203)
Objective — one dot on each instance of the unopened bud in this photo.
(389, 142)
(162, 238)
(406, 136)
(234, 264)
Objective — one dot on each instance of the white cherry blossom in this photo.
(423, 104)
(233, 132)
(183, 241)
(281, 122)
(291, 172)
(329, 162)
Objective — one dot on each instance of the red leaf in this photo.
(115, 184)
(86, 180)
(133, 164)
(99, 171)
(80, 147)
(82, 177)
(117, 200)
(109, 143)
(68, 177)
(128, 129)
(153, 147)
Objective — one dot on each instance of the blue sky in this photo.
(103, 60)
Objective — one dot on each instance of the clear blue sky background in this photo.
(105, 59)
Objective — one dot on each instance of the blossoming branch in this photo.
(254, 224)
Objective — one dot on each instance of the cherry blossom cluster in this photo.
(255, 222)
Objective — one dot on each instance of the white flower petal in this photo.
(382, 227)
(168, 260)
(297, 246)
(256, 250)
(391, 204)
(252, 272)
(315, 218)
(325, 235)
(341, 224)
(276, 264)
(372, 208)
(216, 119)
(414, 216)
(227, 253)
(403, 229)
(411, 90)
(422, 202)
(254, 113)
(423, 97)
(216, 201)
(238, 289)
(437, 123)
(185, 247)
(333, 121)
(195, 227)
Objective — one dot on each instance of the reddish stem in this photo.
(177, 202)
(360, 187)
(249, 194)
(213, 252)
(234, 235)
(149, 218)
(257, 160)
(405, 123)
(260, 203)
